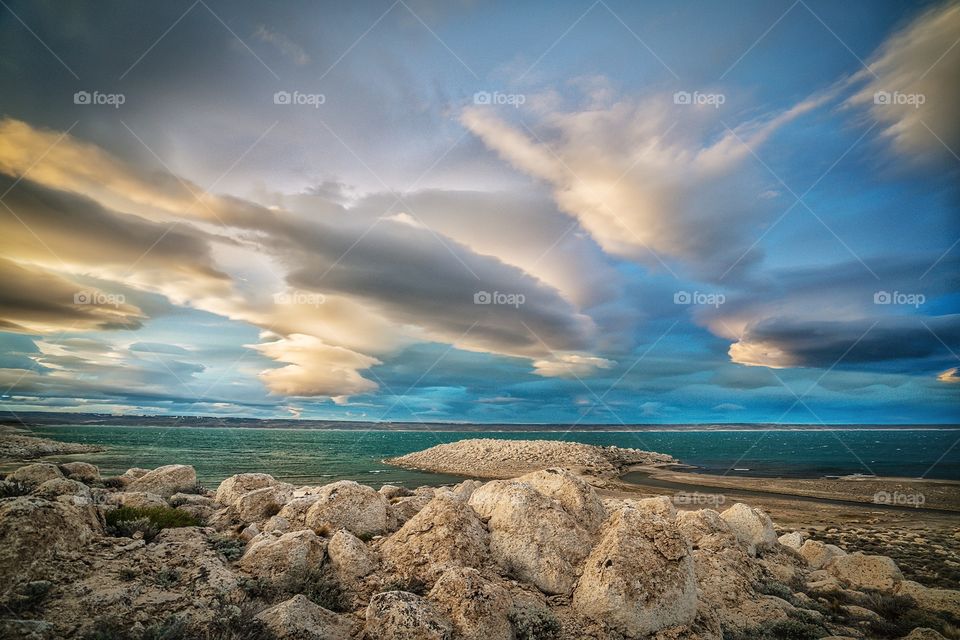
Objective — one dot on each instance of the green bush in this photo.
(317, 585)
(14, 489)
(535, 623)
(149, 521)
(231, 548)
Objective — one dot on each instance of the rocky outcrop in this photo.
(445, 533)
(399, 615)
(752, 526)
(16, 445)
(34, 530)
(82, 471)
(269, 554)
(299, 619)
(818, 554)
(166, 480)
(138, 499)
(639, 578)
(531, 535)
(861, 571)
(351, 506)
(231, 489)
(942, 600)
(350, 557)
(35, 474)
(478, 608)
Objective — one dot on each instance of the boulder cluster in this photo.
(534, 557)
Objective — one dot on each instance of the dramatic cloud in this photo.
(911, 85)
(642, 179)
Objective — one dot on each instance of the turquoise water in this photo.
(320, 456)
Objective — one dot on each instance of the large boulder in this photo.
(300, 619)
(33, 531)
(166, 480)
(532, 535)
(351, 506)
(640, 576)
(399, 615)
(51, 489)
(405, 508)
(136, 499)
(294, 512)
(573, 494)
(793, 540)
(861, 571)
(261, 504)
(268, 554)
(752, 526)
(35, 474)
(931, 599)
(82, 471)
(237, 485)
(478, 608)
(817, 554)
(350, 557)
(447, 532)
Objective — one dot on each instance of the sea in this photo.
(314, 456)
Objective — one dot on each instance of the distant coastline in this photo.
(43, 418)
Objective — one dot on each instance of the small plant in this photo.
(13, 489)
(318, 585)
(127, 574)
(148, 521)
(197, 489)
(535, 623)
(231, 548)
(167, 578)
(778, 589)
(27, 596)
(115, 482)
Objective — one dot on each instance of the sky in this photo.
(545, 212)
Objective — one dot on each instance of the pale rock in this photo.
(576, 497)
(82, 471)
(932, 599)
(818, 554)
(405, 508)
(300, 619)
(752, 526)
(51, 489)
(249, 532)
(351, 506)
(924, 633)
(861, 571)
(640, 576)
(659, 505)
(466, 488)
(33, 531)
(793, 540)
(478, 608)
(277, 523)
(136, 499)
(166, 480)
(259, 504)
(399, 615)
(268, 554)
(350, 557)
(237, 485)
(447, 532)
(532, 535)
(390, 492)
(134, 473)
(35, 474)
(295, 511)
